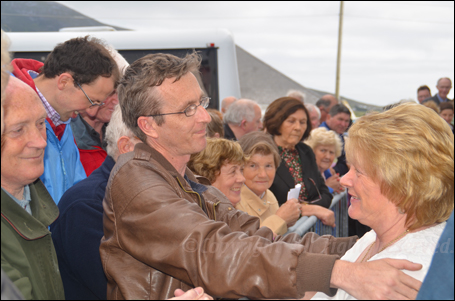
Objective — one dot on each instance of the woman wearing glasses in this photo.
(262, 160)
(286, 119)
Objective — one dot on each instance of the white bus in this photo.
(219, 76)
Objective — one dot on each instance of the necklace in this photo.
(386, 246)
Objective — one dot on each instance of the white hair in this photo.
(296, 94)
(242, 109)
(311, 107)
(322, 136)
(116, 129)
(118, 58)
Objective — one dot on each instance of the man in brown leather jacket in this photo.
(164, 231)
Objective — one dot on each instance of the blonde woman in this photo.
(327, 147)
(401, 183)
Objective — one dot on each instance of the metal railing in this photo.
(311, 224)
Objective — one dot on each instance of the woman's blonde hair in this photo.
(219, 151)
(409, 151)
(322, 136)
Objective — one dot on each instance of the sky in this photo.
(389, 49)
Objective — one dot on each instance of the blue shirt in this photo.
(25, 202)
(438, 284)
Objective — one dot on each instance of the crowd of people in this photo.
(118, 182)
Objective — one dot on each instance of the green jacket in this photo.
(28, 254)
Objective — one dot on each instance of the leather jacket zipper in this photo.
(190, 191)
(214, 209)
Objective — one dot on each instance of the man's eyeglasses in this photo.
(190, 110)
(93, 103)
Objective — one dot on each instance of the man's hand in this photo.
(192, 294)
(378, 279)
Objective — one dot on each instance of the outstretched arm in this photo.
(378, 279)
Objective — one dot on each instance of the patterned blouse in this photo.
(292, 160)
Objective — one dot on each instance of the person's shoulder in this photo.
(304, 148)
(432, 98)
(271, 197)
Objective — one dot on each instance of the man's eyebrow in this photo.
(191, 102)
(25, 121)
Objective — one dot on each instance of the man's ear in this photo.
(327, 118)
(243, 123)
(125, 145)
(148, 126)
(64, 80)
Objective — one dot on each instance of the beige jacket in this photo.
(160, 235)
(264, 208)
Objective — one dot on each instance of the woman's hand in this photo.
(326, 216)
(290, 211)
(334, 183)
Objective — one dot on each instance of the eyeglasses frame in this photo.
(91, 102)
(319, 193)
(184, 111)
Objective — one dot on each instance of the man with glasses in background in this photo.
(77, 74)
(164, 230)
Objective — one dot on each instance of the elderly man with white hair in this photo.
(28, 254)
(242, 117)
(315, 115)
(77, 247)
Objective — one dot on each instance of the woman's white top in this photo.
(417, 247)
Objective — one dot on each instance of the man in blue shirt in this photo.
(338, 121)
(444, 85)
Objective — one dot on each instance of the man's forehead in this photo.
(18, 93)
(445, 82)
(185, 89)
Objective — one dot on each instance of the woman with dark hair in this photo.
(286, 119)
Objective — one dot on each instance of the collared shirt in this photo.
(25, 202)
(440, 99)
(53, 115)
(86, 137)
(199, 188)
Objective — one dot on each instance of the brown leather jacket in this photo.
(159, 235)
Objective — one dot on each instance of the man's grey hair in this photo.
(137, 91)
(242, 109)
(311, 107)
(116, 129)
(297, 95)
(122, 64)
